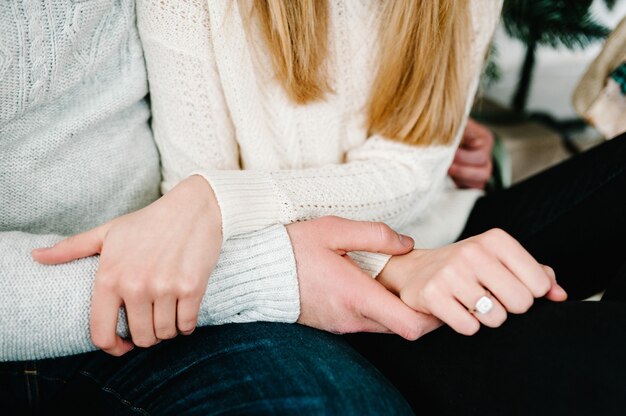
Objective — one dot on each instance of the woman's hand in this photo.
(155, 262)
(472, 165)
(448, 282)
(335, 294)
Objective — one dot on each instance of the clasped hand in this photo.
(156, 263)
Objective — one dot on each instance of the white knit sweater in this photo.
(219, 112)
(75, 151)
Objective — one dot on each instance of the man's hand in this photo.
(472, 166)
(155, 261)
(335, 294)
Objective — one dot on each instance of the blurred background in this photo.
(540, 52)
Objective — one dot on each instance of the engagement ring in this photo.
(483, 305)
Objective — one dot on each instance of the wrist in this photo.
(200, 194)
(397, 271)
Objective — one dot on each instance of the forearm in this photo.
(44, 310)
(382, 180)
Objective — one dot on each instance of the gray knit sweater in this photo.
(75, 151)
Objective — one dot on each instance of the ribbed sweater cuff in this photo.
(253, 282)
(370, 263)
(248, 200)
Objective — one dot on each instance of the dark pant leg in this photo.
(260, 368)
(556, 359)
(616, 290)
(571, 217)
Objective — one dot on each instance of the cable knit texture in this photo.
(219, 112)
(76, 151)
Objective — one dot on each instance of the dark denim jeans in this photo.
(260, 368)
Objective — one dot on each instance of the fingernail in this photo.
(405, 240)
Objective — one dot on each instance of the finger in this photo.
(505, 286)
(469, 184)
(471, 173)
(495, 317)
(376, 237)
(450, 311)
(140, 323)
(468, 293)
(187, 314)
(520, 262)
(380, 305)
(477, 135)
(72, 248)
(476, 157)
(105, 309)
(556, 292)
(165, 317)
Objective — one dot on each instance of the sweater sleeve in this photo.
(44, 310)
(380, 180)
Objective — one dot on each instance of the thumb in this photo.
(76, 247)
(556, 292)
(375, 237)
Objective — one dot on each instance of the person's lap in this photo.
(572, 217)
(557, 358)
(258, 368)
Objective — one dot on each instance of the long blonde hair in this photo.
(419, 93)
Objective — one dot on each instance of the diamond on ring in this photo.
(483, 305)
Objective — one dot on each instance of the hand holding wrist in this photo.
(155, 262)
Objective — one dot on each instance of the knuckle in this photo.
(188, 288)
(107, 282)
(496, 235)
(384, 233)
(470, 250)
(435, 291)
(448, 273)
(104, 342)
(135, 289)
(431, 292)
(162, 288)
(542, 288)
